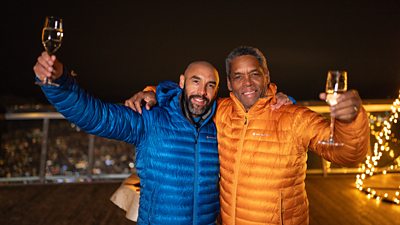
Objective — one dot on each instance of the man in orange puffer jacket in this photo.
(263, 152)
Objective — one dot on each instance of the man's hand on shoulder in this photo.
(139, 99)
(281, 99)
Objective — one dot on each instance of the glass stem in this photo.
(332, 126)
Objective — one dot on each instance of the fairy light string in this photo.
(385, 139)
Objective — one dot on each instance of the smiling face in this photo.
(247, 80)
(200, 83)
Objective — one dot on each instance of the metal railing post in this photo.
(90, 156)
(43, 153)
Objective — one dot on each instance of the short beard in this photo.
(192, 110)
(197, 111)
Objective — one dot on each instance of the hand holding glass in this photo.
(336, 83)
(52, 35)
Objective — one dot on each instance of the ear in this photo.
(229, 83)
(182, 81)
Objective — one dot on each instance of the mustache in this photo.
(199, 96)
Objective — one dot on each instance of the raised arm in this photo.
(91, 114)
(351, 128)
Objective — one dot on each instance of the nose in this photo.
(247, 80)
(202, 91)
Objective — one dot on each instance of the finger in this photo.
(146, 99)
(345, 114)
(149, 96)
(138, 106)
(45, 55)
(281, 99)
(40, 71)
(46, 64)
(322, 96)
(345, 118)
(351, 94)
(349, 101)
(53, 58)
(277, 105)
(37, 71)
(49, 60)
(339, 112)
(129, 104)
(150, 104)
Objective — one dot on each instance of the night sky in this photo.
(118, 47)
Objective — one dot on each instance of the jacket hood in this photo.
(166, 91)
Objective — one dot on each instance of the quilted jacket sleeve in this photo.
(93, 115)
(355, 136)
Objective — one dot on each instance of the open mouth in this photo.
(249, 93)
(199, 101)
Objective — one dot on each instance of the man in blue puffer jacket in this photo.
(176, 145)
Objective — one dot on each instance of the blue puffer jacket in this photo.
(177, 163)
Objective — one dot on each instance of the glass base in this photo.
(330, 143)
(47, 82)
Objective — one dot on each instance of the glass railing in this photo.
(44, 147)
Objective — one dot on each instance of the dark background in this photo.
(118, 47)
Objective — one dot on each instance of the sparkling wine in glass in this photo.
(52, 35)
(336, 83)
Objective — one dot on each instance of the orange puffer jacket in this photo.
(263, 156)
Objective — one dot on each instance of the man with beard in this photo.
(176, 145)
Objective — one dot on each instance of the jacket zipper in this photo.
(237, 168)
(196, 152)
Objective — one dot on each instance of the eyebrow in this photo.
(251, 71)
(212, 82)
(195, 77)
(259, 69)
(198, 78)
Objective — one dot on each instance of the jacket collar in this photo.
(261, 104)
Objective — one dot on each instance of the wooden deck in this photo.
(333, 201)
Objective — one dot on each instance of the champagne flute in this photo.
(52, 35)
(336, 83)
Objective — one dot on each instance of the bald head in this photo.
(204, 66)
(200, 83)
